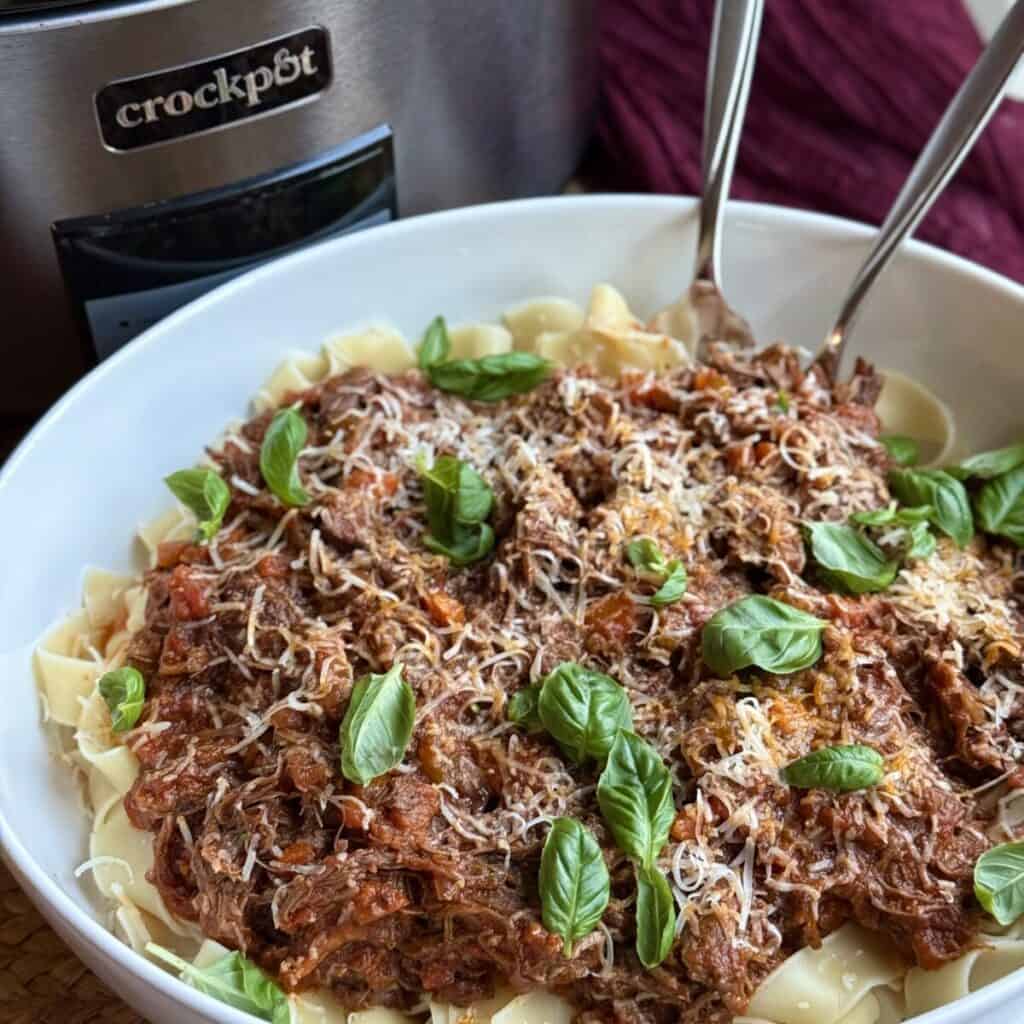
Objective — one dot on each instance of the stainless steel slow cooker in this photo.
(150, 149)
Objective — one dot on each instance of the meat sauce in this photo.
(425, 880)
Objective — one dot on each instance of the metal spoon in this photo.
(702, 313)
(961, 124)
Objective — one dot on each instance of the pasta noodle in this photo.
(823, 986)
(611, 339)
(907, 407)
(540, 316)
(927, 990)
(471, 341)
(855, 977)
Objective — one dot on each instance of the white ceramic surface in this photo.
(75, 490)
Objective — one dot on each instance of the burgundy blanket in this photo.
(845, 93)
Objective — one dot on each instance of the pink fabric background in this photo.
(845, 93)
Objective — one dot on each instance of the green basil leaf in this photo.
(583, 710)
(655, 917)
(842, 769)
(782, 401)
(458, 500)
(205, 494)
(454, 492)
(999, 881)
(466, 544)
(233, 980)
(522, 709)
(920, 544)
(893, 516)
(436, 345)
(377, 726)
(986, 465)
(645, 556)
(634, 793)
(124, 690)
(491, 378)
(1000, 506)
(762, 632)
(904, 451)
(951, 511)
(876, 517)
(279, 456)
(574, 882)
(674, 586)
(846, 560)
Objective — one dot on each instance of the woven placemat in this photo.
(41, 980)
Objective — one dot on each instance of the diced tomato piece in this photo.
(382, 484)
(170, 553)
(188, 595)
(272, 567)
(611, 620)
(443, 609)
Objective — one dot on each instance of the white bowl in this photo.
(78, 486)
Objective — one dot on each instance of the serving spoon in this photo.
(703, 313)
(965, 118)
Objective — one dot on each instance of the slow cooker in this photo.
(154, 148)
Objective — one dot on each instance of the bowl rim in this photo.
(43, 889)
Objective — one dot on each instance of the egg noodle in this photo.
(854, 977)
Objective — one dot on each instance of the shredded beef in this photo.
(425, 880)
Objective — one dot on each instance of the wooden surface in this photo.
(41, 980)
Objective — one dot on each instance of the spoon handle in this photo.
(965, 118)
(730, 67)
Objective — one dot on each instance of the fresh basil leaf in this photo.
(644, 555)
(876, 517)
(574, 882)
(841, 769)
(583, 710)
(1000, 506)
(920, 543)
(205, 494)
(913, 514)
(490, 378)
(999, 881)
(454, 493)
(846, 560)
(377, 726)
(522, 709)
(124, 691)
(674, 586)
(436, 345)
(782, 401)
(466, 544)
(904, 451)
(986, 465)
(655, 917)
(762, 632)
(279, 456)
(458, 500)
(951, 511)
(233, 980)
(891, 515)
(634, 793)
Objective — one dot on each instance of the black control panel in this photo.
(127, 269)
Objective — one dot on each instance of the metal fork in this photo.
(957, 131)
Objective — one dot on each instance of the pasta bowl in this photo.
(80, 484)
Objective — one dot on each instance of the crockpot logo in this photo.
(169, 105)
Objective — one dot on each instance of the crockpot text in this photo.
(246, 88)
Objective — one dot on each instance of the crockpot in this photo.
(155, 148)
